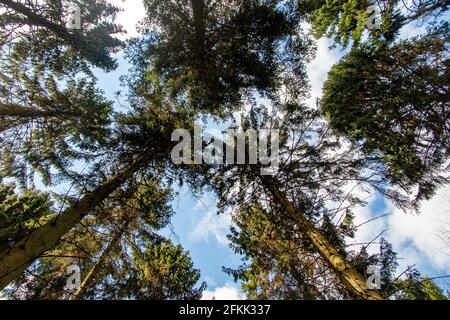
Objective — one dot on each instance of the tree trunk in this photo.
(99, 263)
(355, 283)
(200, 56)
(199, 15)
(17, 259)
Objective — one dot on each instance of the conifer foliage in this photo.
(107, 181)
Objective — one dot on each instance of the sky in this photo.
(416, 238)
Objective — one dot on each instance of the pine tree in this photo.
(51, 113)
(20, 214)
(314, 168)
(336, 261)
(217, 53)
(129, 151)
(390, 95)
(417, 287)
(120, 254)
(195, 58)
(394, 102)
(349, 21)
(280, 262)
(41, 31)
(45, 126)
(160, 272)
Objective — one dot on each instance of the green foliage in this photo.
(47, 278)
(20, 214)
(141, 265)
(204, 58)
(280, 264)
(48, 39)
(280, 261)
(220, 53)
(341, 19)
(394, 102)
(348, 21)
(51, 113)
(44, 124)
(283, 261)
(164, 271)
(417, 287)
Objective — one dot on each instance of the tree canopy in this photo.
(394, 102)
(382, 126)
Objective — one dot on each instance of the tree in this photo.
(321, 244)
(20, 214)
(394, 102)
(354, 281)
(214, 54)
(118, 251)
(51, 113)
(280, 262)
(314, 167)
(129, 151)
(15, 260)
(196, 58)
(416, 287)
(162, 272)
(45, 127)
(65, 119)
(22, 254)
(101, 261)
(39, 30)
(350, 20)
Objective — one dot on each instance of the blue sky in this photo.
(202, 232)
(195, 225)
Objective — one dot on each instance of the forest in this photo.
(88, 184)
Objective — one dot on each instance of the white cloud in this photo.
(423, 233)
(318, 68)
(419, 239)
(209, 281)
(212, 226)
(227, 292)
(133, 12)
